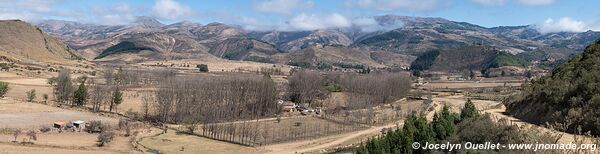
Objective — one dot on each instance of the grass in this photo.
(172, 142)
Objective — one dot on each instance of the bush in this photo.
(30, 95)
(105, 137)
(95, 126)
(202, 67)
(334, 88)
(45, 129)
(3, 88)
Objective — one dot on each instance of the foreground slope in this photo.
(569, 95)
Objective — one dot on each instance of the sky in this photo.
(546, 15)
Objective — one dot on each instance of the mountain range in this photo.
(401, 41)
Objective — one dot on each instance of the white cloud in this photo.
(28, 10)
(118, 14)
(171, 10)
(565, 24)
(490, 2)
(535, 2)
(308, 22)
(398, 5)
(371, 25)
(312, 22)
(300, 22)
(283, 6)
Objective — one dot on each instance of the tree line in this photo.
(467, 126)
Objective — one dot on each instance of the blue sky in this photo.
(548, 15)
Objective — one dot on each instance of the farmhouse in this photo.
(60, 124)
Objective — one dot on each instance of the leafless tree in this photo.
(306, 86)
(64, 86)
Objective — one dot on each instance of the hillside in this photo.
(566, 96)
(326, 56)
(21, 41)
(157, 46)
(467, 58)
(244, 49)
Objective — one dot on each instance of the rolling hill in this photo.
(23, 42)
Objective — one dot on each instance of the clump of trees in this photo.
(366, 90)
(469, 126)
(213, 100)
(306, 86)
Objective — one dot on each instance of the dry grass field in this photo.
(172, 142)
(217, 65)
(18, 114)
(27, 116)
(468, 84)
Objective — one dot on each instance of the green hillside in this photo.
(122, 47)
(467, 58)
(570, 93)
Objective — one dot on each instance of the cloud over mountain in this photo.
(400, 5)
(565, 24)
(171, 10)
(283, 6)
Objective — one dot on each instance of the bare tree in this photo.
(306, 86)
(64, 86)
(97, 95)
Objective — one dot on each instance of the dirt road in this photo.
(322, 143)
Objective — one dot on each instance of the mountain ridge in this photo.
(404, 35)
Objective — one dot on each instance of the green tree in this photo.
(81, 95)
(116, 99)
(443, 124)
(30, 95)
(3, 88)
(468, 111)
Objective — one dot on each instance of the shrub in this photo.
(95, 126)
(45, 96)
(334, 88)
(202, 67)
(105, 137)
(32, 135)
(45, 129)
(30, 95)
(3, 88)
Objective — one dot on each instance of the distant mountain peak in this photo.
(147, 21)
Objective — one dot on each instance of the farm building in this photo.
(60, 124)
